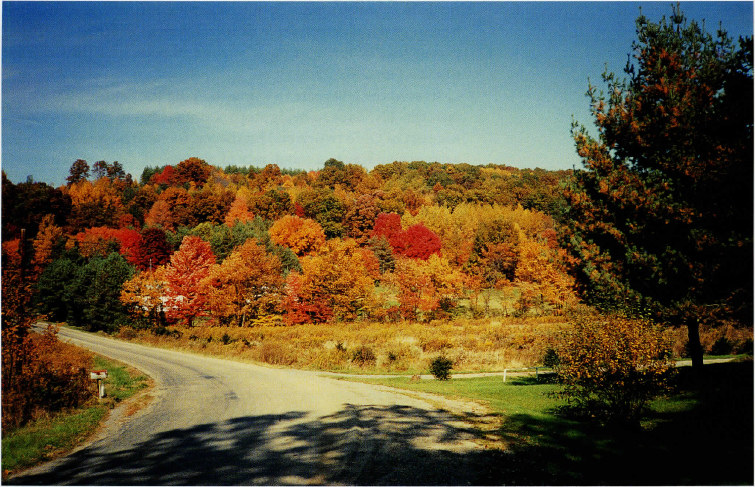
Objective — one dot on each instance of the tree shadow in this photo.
(702, 435)
(709, 443)
(359, 445)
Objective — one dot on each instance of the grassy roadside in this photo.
(701, 434)
(53, 436)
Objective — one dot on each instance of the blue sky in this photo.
(294, 84)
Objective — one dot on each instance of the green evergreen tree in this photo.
(661, 215)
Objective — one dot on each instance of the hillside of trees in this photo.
(190, 243)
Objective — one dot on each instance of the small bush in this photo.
(722, 346)
(363, 356)
(550, 358)
(441, 367)
(127, 333)
(611, 366)
(166, 332)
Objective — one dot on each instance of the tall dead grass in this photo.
(368, 347)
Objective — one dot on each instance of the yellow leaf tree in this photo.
(541, 276)
(160, 215)
(44, 242)
(93, 205)
(144, 295)
(246, 285)
(334, 283)
(612, 365)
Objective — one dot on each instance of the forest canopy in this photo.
(406, 240)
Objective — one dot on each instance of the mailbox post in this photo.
(99, 375)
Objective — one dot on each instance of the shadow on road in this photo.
(710, 443)
(394, 445)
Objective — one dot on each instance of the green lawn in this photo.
(702, 434)
(49, 437)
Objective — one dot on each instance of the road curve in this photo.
(218, 422)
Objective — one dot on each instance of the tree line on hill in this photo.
(105, 250)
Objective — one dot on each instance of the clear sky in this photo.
(294, 84)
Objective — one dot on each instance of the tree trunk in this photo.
(695, 348)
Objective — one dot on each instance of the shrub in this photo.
(441, 367)
(611, 366)
(363, 355)
(550, 357)
(55, 376)
(722, 346)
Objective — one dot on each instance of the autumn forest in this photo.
(191, 243)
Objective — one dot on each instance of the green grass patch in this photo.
(511, 397)
(47, 437)
(52, 436)
(122, 381)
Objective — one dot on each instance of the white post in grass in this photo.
(99, 375)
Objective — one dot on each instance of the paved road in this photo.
(229, 423)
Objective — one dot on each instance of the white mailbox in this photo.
(98, 374)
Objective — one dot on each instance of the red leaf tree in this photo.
(152, 250)
(417, 242)
(387, 225)
(189, 266)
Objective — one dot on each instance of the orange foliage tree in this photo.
(38, 372)
(424, 287)
(47, 237)
(239, 211)
(302, 235)
(96, 241)
(160, 215)
(179, 203)
(541, 274)
(192, 170)
(16, 322)
(186, 291)
(246, 285)
(360, 218)
(333, 283)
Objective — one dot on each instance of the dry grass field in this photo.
(402, 347)
(369, 347)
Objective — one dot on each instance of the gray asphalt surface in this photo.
(218, 422)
